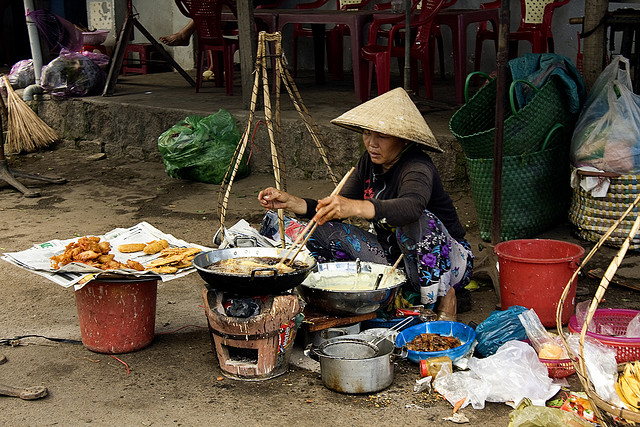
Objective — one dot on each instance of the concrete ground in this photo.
(176, 380)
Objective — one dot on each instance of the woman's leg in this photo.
(337, 241)
(182, 37)
(435, 262)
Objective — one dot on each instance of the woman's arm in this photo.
(339, 207)
(271, 198)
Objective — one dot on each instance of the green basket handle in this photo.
(551, 131)
(467, 82)
(512, 90)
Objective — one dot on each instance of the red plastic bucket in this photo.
(117, 316)
(534, 273)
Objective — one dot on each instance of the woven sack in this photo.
(593, 216)
(535, 190)
(525, 130)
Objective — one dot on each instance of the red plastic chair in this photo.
(335, 38)
(421, 49)
(210, 37)
(437, 34)
(535, 27)
(299, 30)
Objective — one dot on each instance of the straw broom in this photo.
(26, 132)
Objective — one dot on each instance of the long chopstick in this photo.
(311, 226)
(388, 273)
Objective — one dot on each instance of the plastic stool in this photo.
(91, 47)
(144, 51)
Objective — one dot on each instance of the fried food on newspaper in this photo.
(172, 259)
(149, 248)
(91, 251)
(131, 247)
(155, 246)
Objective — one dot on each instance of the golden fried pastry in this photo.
(165, 269)
(131, 247)
(155, 246)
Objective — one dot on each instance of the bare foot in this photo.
(176, 39)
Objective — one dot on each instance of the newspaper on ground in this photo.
(37, 259)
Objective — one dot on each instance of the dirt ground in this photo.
(177, 380)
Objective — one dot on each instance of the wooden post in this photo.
(594, 11)
(247, 40)
(502, 57)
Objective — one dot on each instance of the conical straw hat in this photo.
(392, 113)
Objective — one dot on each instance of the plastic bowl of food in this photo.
(94, 38)
(464, 333)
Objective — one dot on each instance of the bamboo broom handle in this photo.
(312, 224)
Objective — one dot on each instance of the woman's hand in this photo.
(271, 198)
(338, 207)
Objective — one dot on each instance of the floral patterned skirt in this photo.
(433, 260)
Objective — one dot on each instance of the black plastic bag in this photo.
(202, 148)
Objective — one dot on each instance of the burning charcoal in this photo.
(243, 308)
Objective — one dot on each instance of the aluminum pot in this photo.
(345, 299)
(318, 337)
(251, 284)
(353, 364)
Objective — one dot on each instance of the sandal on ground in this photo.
(443, 315)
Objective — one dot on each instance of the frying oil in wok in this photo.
(245, 265)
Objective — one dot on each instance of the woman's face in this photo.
(383, 149)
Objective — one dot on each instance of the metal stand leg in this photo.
(121, 46)
(488, 266)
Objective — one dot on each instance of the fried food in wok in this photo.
(433, 342)
(246, 265)
(91, 251)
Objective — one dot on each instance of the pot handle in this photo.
(275, 271)
(401, 352)
(311, 352)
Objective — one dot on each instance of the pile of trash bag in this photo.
(22, 74)
(202, 148)
(72, 74)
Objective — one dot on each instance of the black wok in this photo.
(262, 281)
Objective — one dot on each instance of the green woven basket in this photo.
(535, 190)
(473, 124)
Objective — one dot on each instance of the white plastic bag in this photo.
(607, 134)
(602, 368)
(633, 328)
(511, 374)
(547, 346)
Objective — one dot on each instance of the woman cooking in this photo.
(398, 189)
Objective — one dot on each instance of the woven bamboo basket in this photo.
(535, 189)
(605, 411)
(593, 216)
(525, 130)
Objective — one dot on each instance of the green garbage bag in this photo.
(201, 148)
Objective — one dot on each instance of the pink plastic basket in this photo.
(617, 319)
(558, 368)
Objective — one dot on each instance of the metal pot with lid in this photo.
(356, 364)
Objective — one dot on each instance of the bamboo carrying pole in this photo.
(273, 126)
(599, 404)
(26, 132)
